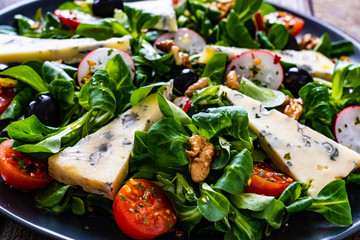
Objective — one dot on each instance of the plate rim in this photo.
(53, 234)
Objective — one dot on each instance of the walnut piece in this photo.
(344, 58)
(232, 80)
(195, 142)
(181, 58)
(223, 6)
(165, 45)
(292, 107)
(7, 83)
(36, 25)
(200, 157)
(308, 42)
(200, 84)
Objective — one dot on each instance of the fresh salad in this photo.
(220, 116)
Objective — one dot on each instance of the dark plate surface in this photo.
(20, 206)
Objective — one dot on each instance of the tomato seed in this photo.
(127, 188)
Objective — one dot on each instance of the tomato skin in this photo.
(67, 18)
(142, 210)
(293, 24)
(6, 96)
(36, 175)
(267, 181)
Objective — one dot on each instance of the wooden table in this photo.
(342, 14)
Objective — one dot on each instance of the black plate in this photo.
(20, 206)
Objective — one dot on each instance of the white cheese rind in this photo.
(20, 49)
(99, 162)
(297, 150)
(314, 62)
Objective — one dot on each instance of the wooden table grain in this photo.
(342, 14)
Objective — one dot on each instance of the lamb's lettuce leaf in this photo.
(332, 202)
(236, 174)
(213, 205)
(245, 9)
(28, 76)
(234, 29)
(167, 141)
(215, 68)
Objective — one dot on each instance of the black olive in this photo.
(296, 78)
(186, 78)
(46, 109)
(105, 8)
(292, 43)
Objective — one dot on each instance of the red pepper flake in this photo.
(187, 106)
(276, 59)
(259, 21)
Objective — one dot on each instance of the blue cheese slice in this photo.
(314, 62)
(99, 162)
(20, 49)
(297, 150)
(163, 8)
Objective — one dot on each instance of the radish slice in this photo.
(74, 18)
(347, 128)
(188, 40)
(97, 59)
(259, 66)
(181, 101)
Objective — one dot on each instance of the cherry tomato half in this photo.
(6, 96)
(267, 181)
(142, 210)
(293, 24)
(22, 172)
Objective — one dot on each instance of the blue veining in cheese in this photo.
(297, 150)
(20, 49)
(99, 162)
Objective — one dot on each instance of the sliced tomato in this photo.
(6, 96)
(267, 181)
(142, 210)
(293, 24)
(22, 172)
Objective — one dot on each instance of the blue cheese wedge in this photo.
(20, 49)
(297, 150)
(163, 8)
(99, 162)
(314, 62)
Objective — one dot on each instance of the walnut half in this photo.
(223, 6)
(200, 157)
(292, 107)
(200, 84)
(308, 42)
(232, 80)
(181, 58)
